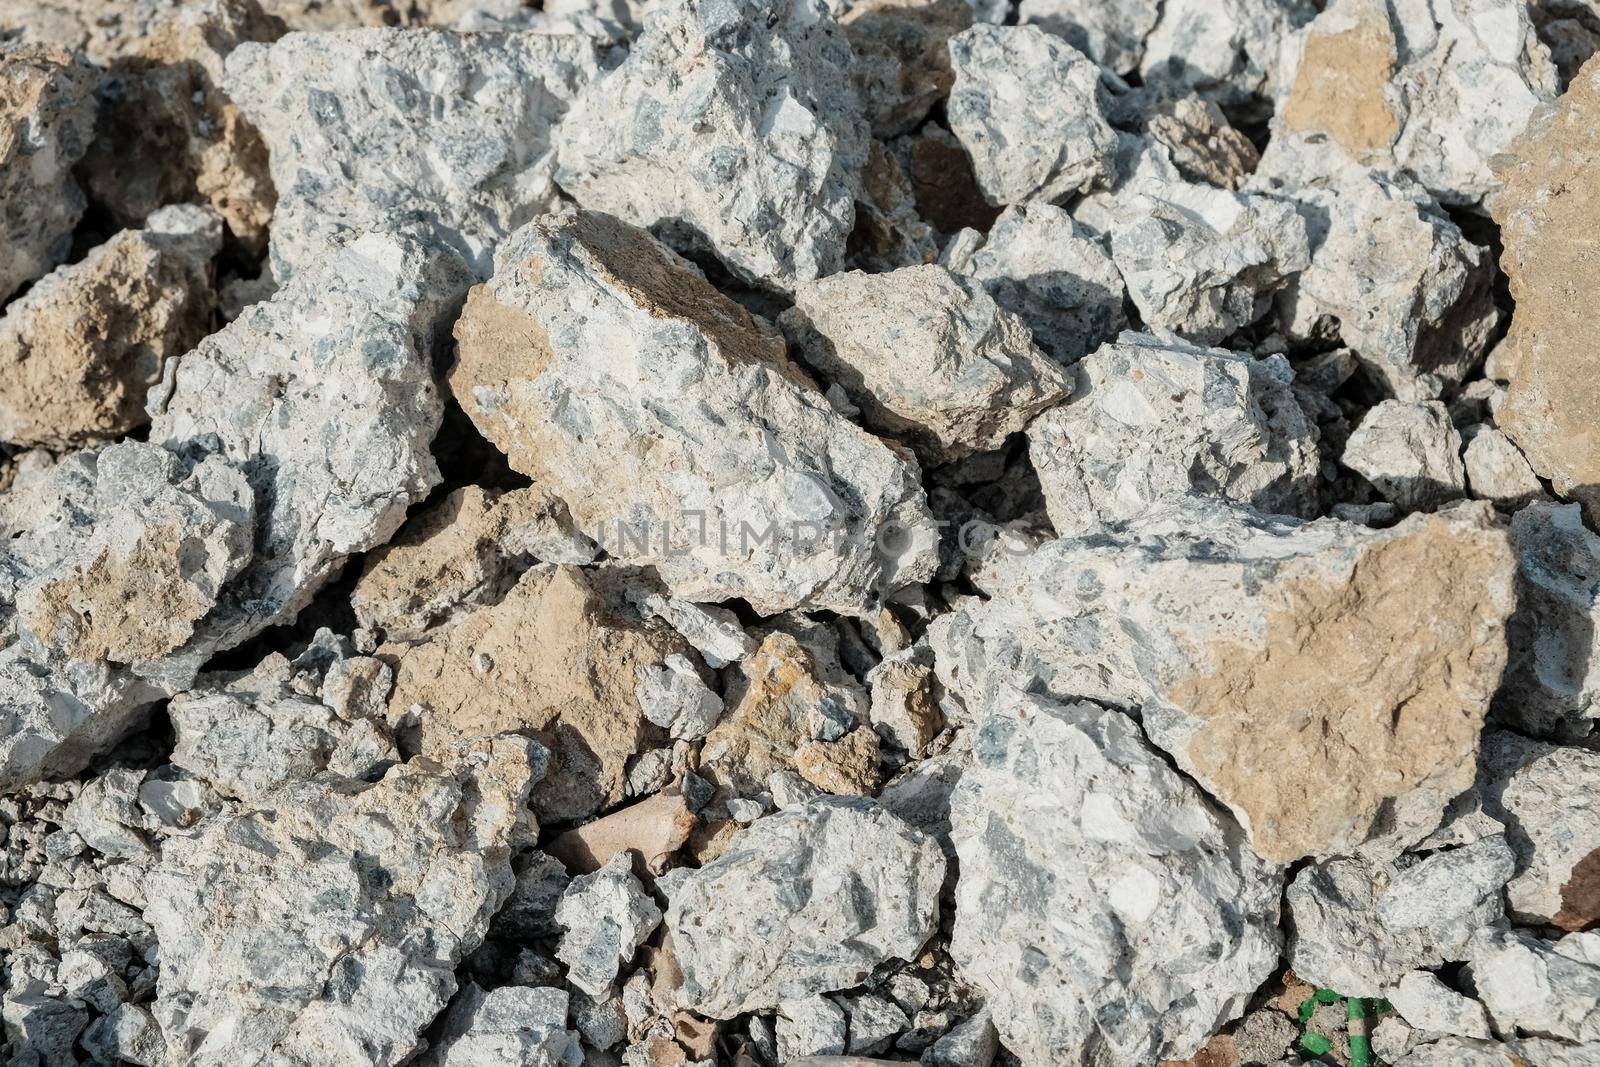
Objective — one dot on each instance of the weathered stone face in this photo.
(1307, 675)
(573, 360)
(1553, 408)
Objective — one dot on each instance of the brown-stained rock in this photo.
(120, 606)
(1551, 183)
(848, 766)
(462, 552)
(889, 233)
(941, 176)
(169, 134)
(81, 348)
(653, 828)
(552, 659)
(902, 63)
(771, 703)
(1204, 146)
(1220, 1051)
(1580, 896)
(47, 112)
(905, 701)
(1360, 690)
(1341, 85)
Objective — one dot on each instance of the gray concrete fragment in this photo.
(606, 916)
(1540, 988)
(1153, 418)
(764, 490)
(675, 698)
(1025, 105)
(1409, 451)
(512, 1026)
(809, 1026)
(1430, 1005)
(1110, 32)
(1360, 926)
(927, 355)
(1055, 274)
(805, 901)
(1553, 680)
(746, 144)
(443, 134)
(1078, 845)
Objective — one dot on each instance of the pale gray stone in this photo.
(804, 902)
(1056, 275)
(1411, 295)
(927, 355)
(1540, 988)
(734, 128)
(606, 916)
(1201, 261)
(443, 134)
(1359, 926)
(1553, 680)
(1225, 50)
(1153, 418)
(512, 1026)
(1026, 107)
(1110, 32)
(1430, 1005)
(289, 927)
(1411, 453)
(972, 1043)
(1080, 846)
(714, 632)
(1497, 470)
(809, 1026)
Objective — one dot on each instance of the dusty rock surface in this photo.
(745, 533)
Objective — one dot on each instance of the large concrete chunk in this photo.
(1411, 295)
(1549, 173)
(323, 923)
(324, 395)
(1419, 85)
(927, 355)
(1541, 988)
(1109, 913)
(1025, 106)
(610, 371)
(735, 129)
(803, 902)
(1153, 418)
(445, 134)
(1326, 681)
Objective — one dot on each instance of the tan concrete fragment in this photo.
(1362, 689)
(79, 351)
(171, 135)
(551, 659)
(847, 767)
(1546, 211)
(653, 828)
(767, 727)
(456, 554)
(1339, 87)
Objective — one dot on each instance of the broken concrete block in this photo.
(1497, 470)
(1419, 86)
(445, 135)
(512, 1026)
(1410, 452)
(758, 489)
(1540, 988)
(1110, 32)
(1230, 52)
(1546, 173)
(606, 916)
(1233, 610)
(1428, 1004)
(1053, 273)
(928, 356)
(743, 144)
(1361, 925)
(806, 901)
(1078, 843)
(79, 351)
(1552, 684)
(1153, 418)
(1025, 107)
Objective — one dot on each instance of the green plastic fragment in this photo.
(1315, 1044)
(1326, 996)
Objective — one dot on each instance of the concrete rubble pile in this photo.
(799, 533)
